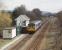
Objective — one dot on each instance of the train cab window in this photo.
(31, 25)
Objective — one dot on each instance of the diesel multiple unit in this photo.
(34, 25)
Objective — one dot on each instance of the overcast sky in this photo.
(43, 5)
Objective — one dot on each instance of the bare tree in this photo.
(18, 11)
(37, 12)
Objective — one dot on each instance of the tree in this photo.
(37, 12)
(18, 11)
(31, 15)
(5, 20)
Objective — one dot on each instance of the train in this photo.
(33, 26)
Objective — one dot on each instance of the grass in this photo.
(4, 42)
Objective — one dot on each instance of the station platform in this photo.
(13, 41)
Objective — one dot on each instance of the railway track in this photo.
(33, 40)
(51, 41)
(21, 43)
(54, 33)
(36, 39)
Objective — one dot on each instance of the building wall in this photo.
(20, 23)
(27, 22)
(6, 34)
(13, 32)
(17, 23)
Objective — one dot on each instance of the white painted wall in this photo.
(18, 23)
(13, 33)
(6, 34)
(27, 22)
(19, 20)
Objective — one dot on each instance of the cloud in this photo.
(44, 5)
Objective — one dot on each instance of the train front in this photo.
(31, 28)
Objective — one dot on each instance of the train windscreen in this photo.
(31, 25)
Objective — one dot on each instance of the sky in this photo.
(43, 5)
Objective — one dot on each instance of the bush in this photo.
(5, 20)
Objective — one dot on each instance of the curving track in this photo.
(34, 42)
(36, 39)
(21, 43)
(51, 37)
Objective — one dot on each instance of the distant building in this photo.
(21, 21)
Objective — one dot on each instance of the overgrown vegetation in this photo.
(59, 15)
(5, 20)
